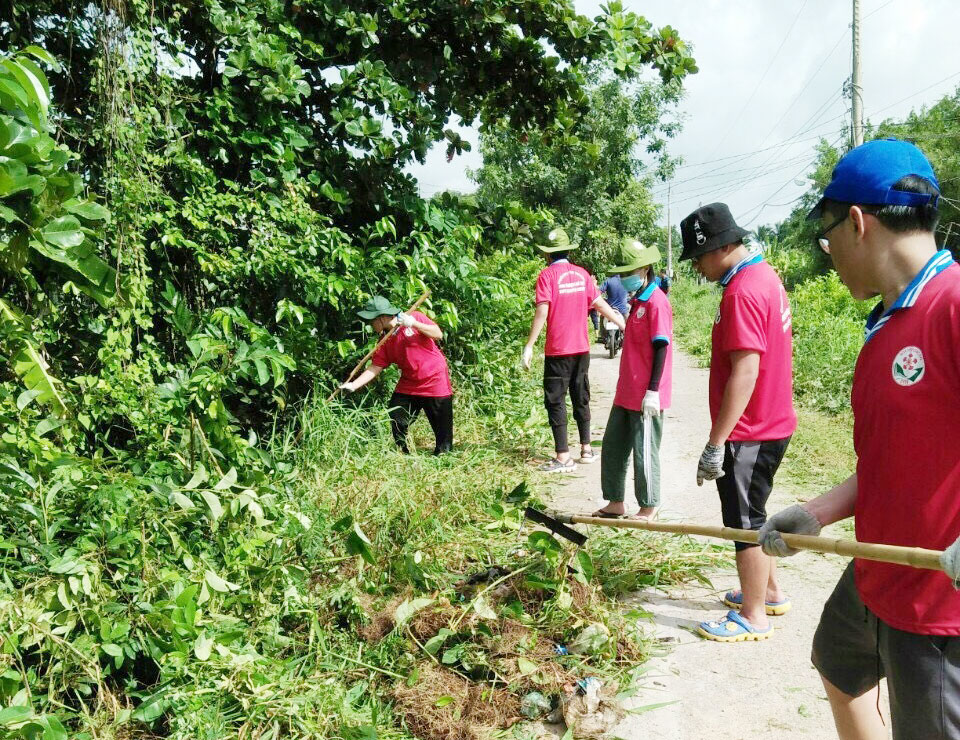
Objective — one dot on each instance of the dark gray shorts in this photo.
(853, 650)
(744, 487)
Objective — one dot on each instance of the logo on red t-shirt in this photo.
(571, 282)
(908, 366)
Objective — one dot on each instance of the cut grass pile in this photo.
(459, 611)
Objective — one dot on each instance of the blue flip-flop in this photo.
(734, 599)
(733, 628)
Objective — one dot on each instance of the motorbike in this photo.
(613, 339)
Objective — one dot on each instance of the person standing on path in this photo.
(424, 383)
(643, 388)
(878, 221)
(564, 295)
(751, 406)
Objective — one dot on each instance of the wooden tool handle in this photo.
(915, 557)
(384, 338)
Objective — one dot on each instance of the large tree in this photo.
(591, 178)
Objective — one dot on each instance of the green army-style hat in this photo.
(377, 306)
(633, 255)
(556, 241)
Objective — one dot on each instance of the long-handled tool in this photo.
(384, 338)
(915, 557)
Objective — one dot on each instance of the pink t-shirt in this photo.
(754, 314)
(906, 411)
(569, 290)
(423, 368)
(650, 319)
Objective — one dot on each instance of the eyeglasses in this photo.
(821, 239)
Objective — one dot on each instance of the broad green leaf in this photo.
(88, 210)
(63, 232)
(408, 608)
(43, 55)
(184, 502)
(444, 701)
(202, 647)
(14, 715)
(483, 609)
(213, 502)
(112, 649)
(526, 667)
(199, 476)
(48, 425)
(26, 398)
(229, 478)
(358, 544)
(217, 583)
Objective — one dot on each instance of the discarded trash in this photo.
(534, 705)
(593, 713)
(561, 650)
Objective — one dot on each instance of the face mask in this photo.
(632, 283)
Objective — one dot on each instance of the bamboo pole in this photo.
(915, 557)
(384, 338)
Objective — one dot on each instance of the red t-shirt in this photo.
(570, 291)
(754, 314)
(423, 368)
(906, 407)
(650, 318)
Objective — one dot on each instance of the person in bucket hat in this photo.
(877, 221)
(635, 425)
(751, 407)
(424, 383)
(564, 295)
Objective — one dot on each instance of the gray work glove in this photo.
(793, 520)
(950, 560)
(710, 466)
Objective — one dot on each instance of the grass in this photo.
(435, 598)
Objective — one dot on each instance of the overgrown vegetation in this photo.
(193, 545)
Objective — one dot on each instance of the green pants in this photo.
(630, 431)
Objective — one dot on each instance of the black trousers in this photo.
(404, 410)
(560, 374)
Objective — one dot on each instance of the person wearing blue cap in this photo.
(878, 218)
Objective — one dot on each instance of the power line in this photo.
(762, 78)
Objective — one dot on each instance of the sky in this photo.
(769, 87)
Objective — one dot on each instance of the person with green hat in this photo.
(565, 293)
(424, 383)
(643, 393)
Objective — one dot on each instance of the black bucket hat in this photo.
(708, 228)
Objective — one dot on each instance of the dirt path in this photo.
(721, 691)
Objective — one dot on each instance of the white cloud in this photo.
(907, 45)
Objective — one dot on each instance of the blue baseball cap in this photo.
(866, 175)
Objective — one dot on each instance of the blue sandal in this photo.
(734, 599)
(733, 628)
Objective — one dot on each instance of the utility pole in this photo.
(856, 84)
(669, 238)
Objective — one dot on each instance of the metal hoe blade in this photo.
(558, 528)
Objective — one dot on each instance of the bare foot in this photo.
(614, 508)
(646, 512)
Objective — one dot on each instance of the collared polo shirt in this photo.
(423, 367)
(569, 291)
(906, 407)
(754, 314)
(650, 320)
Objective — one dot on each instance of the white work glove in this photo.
(651, 403)
(710, 466)
(793, 520)
(348, 387)
(526, 357)
(405, 320)
(950, 561)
